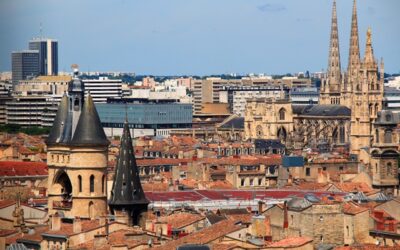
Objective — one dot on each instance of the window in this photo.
(282, 114)
(376, 135)
(242, 182)
(80, 183)
(389, 168)
(341, 168)
(388, 136)
(308, 171)
(92, 183)
(103, 183)
(251, 182)
(260, 182)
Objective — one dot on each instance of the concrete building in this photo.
(48, 55)
(304, 96)
(31, 110)
(237, 96)
(54, 86)
(24, 64)
(103, 88)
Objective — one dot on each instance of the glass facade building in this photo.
(24, 64)
(48, 55)
(146, 116)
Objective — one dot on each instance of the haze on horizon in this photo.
(178, 37)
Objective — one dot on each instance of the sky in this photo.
(197, 37)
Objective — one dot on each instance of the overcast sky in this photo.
(166, 37)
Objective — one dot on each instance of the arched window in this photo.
(92, 183)
(389, 168)
(282, 114)
(103, 183)
(80, 183)
(388, 136)
(91, 209)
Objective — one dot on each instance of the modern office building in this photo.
(304, 95)
(48, 55)
(102, 88)
(391, 98)
(144, 119)
(4, 97)
(24, 64)
(236, 96)
(31, 110)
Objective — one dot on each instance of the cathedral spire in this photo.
(334, 74)
(354, 53)
(369, 52)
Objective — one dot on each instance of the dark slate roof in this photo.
(60, 133)
(236, 123)
(387, 117)
(214, 218)
(298, 204)
(292, 161)
(89, 131)
(127, 189)
(263, 143)
(321, 110)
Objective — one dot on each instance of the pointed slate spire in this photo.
(58, 133)
(354, 53)
(334, 74)
(127, 190)
(89, 131)
(369, 59)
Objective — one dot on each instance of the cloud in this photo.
(271, 7)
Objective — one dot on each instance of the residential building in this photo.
(48, 55)
(24, 64)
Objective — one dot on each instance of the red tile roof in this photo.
(291, 242)
(22, 168)
(353, 209)
(180, 220)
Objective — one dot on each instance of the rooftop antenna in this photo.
(41, 30)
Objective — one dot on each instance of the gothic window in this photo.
(371, 108)
(376, 135)
(342, 134)
(92, 183)
(282, 114)
(80, 183)
(388, 136)
(376, 108)
(91, 209)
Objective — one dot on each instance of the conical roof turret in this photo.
(60, 133)
(127, 189)
(89, 131)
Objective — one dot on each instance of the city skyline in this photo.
(178, 38)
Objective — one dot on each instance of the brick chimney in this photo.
(77, 225)
(55, 222)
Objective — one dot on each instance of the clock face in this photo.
(259, 131)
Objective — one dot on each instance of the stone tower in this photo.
(77, 153)
(353, 66)
(127, 201)
(367, 99)
(331, 86)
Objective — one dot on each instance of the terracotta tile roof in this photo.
(205, 235)
(368, 247)
(154, 186)
(291, 242)
(243, 160)
(310, 186)
(6, 203)
(180, 220)
(67, 228)
(224, 246)
(22, 168)
(353, 209)
(161, 161)
(352, 187)
(37, 235)
(7, 232)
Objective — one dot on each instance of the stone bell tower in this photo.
(77, 153)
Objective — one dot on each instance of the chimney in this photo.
(100, 240)
(260, 207)
(55, 222)
(77, 225)
(285, 216)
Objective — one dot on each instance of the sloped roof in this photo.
(89, 131)
(60, 132)
(236, 123)
(321, 110)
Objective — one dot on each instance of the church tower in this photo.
(353, 66)
(367, 99)
(77, 156)
(331, 85)
(127, 199)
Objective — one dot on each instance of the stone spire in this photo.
(334, 74)
(127, 194)
(369, 59)
(354, 53)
